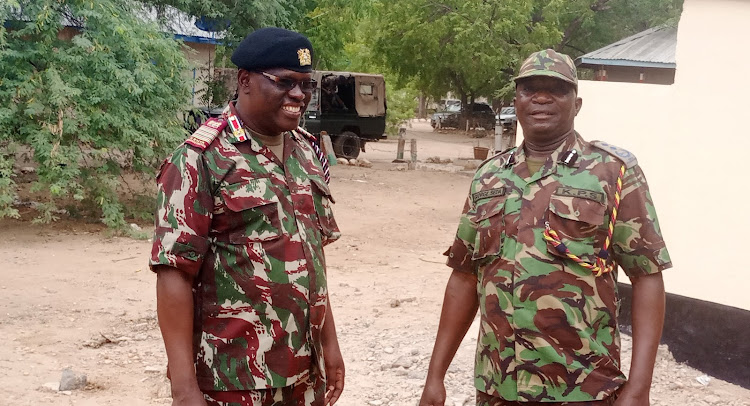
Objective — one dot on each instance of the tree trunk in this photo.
(464, 110)
(422, 113)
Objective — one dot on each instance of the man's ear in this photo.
(579, 104)
(243, 81)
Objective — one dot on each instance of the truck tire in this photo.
(347, 145)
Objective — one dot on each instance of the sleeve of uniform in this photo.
(184, 212)
(637, 240)
(462, 250)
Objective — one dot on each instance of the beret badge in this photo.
(304, 57)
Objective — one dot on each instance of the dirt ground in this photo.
(72, 297)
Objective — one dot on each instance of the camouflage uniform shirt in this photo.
(251, 229)
(548, 326)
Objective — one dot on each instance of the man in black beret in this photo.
(243, 213)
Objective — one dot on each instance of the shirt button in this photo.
(577, 213)
(484, 212)
(450, 255)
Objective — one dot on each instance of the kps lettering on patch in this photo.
(582, 193)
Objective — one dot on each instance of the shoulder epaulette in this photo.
(496, 155)
(206, 133)
(622, 154)
(304, 134)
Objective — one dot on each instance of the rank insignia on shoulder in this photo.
(623, 155)
(206, 133)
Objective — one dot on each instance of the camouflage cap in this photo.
(549, 63)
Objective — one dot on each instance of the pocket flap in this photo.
(490, 224)
(247, 195)
(252, 212)
(578, 209)
(487, 208)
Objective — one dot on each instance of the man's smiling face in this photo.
(265, 106)
(546, 107)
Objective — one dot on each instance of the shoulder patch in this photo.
(206, 133)
(624, 155)
(499, 154)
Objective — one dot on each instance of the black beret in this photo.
(273, 47)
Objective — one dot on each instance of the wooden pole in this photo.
(413, 150)
(400, 150)
(328, 148)
(498, 137)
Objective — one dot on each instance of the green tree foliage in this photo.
(238, 18)
(614, 20)
(88, 103)
(401, 95)
(463, 46)
(402, 103)
(474, 47)
(332, 25)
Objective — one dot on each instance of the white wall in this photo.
(199, 55)
(692, 139)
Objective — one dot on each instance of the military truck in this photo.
(350, 107)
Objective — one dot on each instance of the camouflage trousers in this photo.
(308, 391)
(484, 399)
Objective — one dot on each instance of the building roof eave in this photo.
(197, 39)
(594, 63)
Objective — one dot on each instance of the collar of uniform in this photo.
(573, 142)
(257, 146)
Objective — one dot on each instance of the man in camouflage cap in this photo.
(243, 213)
(542, 233)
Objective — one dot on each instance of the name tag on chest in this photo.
(484, 194)
(581, 193)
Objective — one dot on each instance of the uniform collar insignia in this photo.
(510, 160)
(569, 158)
(569, 153)
(236, 125)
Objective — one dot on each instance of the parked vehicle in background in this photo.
(507, 116)
(446, 117)
(350, 107)
(479, 115)
(447, 104)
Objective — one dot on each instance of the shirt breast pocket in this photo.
(252, 212)
(323, 210)
(490, 224)
(579, 224)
